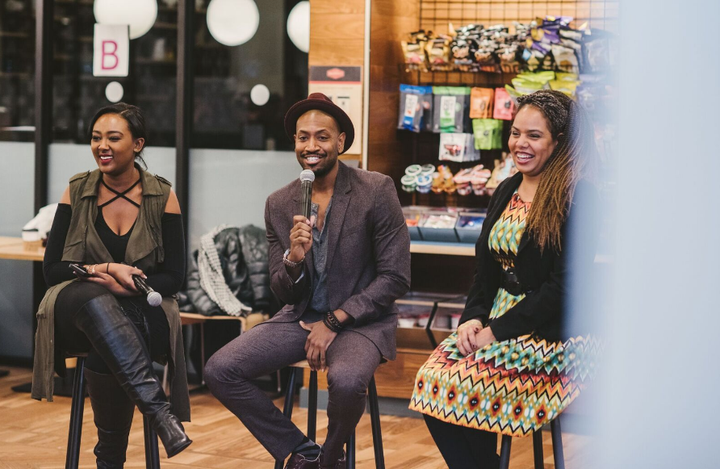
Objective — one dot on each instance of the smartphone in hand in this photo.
(80, 271)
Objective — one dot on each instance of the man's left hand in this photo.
(317, 344)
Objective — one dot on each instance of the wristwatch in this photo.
(290, 263)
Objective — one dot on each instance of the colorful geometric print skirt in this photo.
(511, 387)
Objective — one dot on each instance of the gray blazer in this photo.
(368, 254)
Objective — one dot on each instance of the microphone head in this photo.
(307, 175)
(154, 298)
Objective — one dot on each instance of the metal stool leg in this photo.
(557, 444)
(288, 406)
(152, 454)
(312, 405)
(538, 448)
(72, 457)
(375, 424)
(505, 451)
(350, 452)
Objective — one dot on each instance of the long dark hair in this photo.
(133, 115)
(574, 158)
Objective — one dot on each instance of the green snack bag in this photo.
(488, 134)
(450, 109)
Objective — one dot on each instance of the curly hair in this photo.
(573, 159)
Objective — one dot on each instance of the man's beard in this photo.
(322, 171)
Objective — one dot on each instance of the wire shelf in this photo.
(435, 15)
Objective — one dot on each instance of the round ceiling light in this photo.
(232, 22)
(139, 14)
(298, 26)
(260, 95)
(114, 92)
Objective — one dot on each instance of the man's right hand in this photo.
(300, 238)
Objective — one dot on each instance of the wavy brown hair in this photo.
(573, 159)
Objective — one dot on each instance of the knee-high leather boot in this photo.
(113, 413)
(120, 345)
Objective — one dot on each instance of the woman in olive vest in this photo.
(117, 221)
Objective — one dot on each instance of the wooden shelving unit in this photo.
(445, 249)
(444, 267)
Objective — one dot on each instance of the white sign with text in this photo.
(111, 56)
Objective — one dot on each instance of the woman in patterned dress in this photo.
(511, 367)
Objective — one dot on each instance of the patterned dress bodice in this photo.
(504, 241)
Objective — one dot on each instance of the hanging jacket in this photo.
(243, 264)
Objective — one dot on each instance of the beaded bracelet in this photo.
(332, 322)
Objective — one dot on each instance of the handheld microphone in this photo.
(306, 181)
(153, 298)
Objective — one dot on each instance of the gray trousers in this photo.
(351, 359)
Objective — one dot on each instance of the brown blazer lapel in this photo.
(341, 200)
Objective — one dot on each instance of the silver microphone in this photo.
(306, 181)
(153, 298)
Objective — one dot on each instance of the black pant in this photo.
(149, 320)
(463, 447)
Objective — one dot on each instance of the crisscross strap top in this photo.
(119, 195)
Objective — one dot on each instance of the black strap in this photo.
(119, 195)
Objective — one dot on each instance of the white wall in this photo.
(660, 403)
(230, 187)
(17, 166)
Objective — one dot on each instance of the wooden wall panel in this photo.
(390, 22)
(337, 36)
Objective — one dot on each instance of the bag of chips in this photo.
(481, 103)
(414, 50)
(450, 109)
(438, 52)
(504, 105)
(488, 134)
(415, 108)
(458, 148)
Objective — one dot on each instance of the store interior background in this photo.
(658, 398)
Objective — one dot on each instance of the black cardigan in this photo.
(543, 275)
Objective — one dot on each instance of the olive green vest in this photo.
(145, 249)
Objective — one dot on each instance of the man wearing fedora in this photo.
(338, 275)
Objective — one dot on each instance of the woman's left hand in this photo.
(109, 282)
(484, 337)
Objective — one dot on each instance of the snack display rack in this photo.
(440, 269)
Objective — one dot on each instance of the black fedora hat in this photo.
(320, 102)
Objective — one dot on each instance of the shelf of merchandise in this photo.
(448, 249)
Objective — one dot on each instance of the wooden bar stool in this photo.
(537, 447)
(72, 458)
(312, 416)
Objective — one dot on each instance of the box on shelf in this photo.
(413, 215)
(414, 311)
(450, 311)
(439, 225)
(469, 225)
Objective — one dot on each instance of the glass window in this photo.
(77, 94)
(17, 70)
(246, 77)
